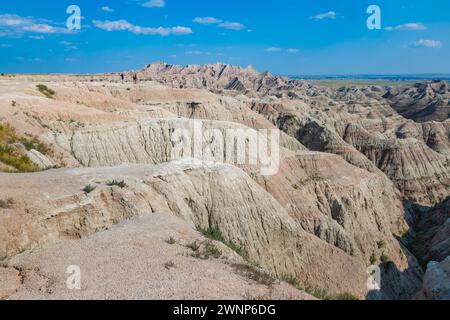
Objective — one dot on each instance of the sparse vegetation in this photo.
(6, 204)
(171, 241)
(215, 234)
(321, 294)
(315, 177)
(13, 103)
(194, 246)
(381, 244)
(88, 189)
(208, 250)
(385, 259)
(10, 154)
(49, 93)
(169, 265)
(292, 280)
(34, 144)
(346, 296)
(373, 259)
(254, 274)
(120, 184)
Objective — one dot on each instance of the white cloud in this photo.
(106, 9)
(232, 26)
(14, 25)
(123, 25)
(207, 20)
(37, 37)
(423, 43)
(194, 52)
(292, 50)
(155, 4)
(325, 15)
(407, 27)
(71, 60)
(273, 49)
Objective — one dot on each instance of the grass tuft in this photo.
(88, 189)
(214, 233)
(120, 184)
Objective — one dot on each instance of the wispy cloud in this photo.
(37, 37)
(407, 27)
(277, 49)
(14, 25)
(154, 4)
(68, 45)
(123, 25)
(424, 43)
(207, 20)
(5, 45)
(325, 15)
(273, 49)
(236, 26)
(194, 52)
(106, 9)
(232, 26)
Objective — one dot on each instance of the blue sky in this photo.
(290, 37)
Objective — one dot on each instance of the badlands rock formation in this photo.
(358, 184)
(429, 101)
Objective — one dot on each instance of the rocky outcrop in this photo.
(432, 241)
(427, 101)
(252, 218)
(436, 284)
(135, 260)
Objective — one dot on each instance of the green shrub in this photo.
(215, 234)
(120, 184)
(292, 280)
(171, 241)
(209, 250)
(345, 296)
(254, 274)
(381, 244)
(12, 156)
(6, 204)
(49, 93)
(88, 189)
(373, 259)
(34, 144)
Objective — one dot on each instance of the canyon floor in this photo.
(88, 179)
